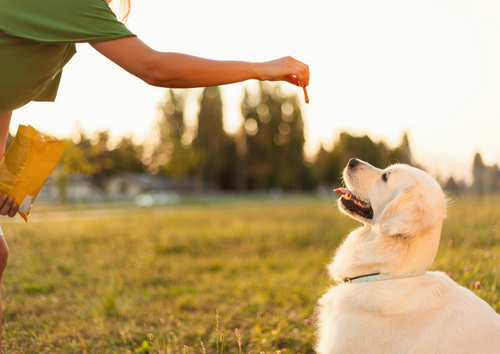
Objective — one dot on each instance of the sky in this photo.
(382, 68)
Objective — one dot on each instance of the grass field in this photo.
(103, 286)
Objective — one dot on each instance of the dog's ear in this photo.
(410, 213)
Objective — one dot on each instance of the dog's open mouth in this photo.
(353, 204)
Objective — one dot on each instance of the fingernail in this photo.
(4, 196)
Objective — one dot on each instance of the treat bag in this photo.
(26, 166)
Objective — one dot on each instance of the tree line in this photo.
(486, 179)
(266, 152)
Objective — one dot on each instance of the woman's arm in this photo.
(175, 70)
(7, 205)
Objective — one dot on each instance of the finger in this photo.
(3, 199)
(303, 68)
(288, 78)
(298, 72)
(305, 74)
(7, 205)
(13, 210)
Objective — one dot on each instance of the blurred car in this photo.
(149, 199)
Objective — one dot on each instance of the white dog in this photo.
(388, 302)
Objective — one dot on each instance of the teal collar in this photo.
(378, 276)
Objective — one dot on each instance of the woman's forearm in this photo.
(177, 70)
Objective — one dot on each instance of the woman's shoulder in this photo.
(61, 21)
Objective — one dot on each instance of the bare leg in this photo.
(4, 249)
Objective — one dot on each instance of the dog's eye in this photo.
(385, 176)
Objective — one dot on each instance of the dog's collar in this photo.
(378, 276)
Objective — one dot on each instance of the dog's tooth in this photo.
(361, 204)
(358, 203)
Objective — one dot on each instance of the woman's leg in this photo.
(4, 249)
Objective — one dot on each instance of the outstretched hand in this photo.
(285, 69)
(7, 206)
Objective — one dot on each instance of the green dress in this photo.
(37, 38)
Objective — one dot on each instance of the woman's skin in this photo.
(7, 207)
(170, 70)
(175, 70)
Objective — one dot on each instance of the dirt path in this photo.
(96, 214)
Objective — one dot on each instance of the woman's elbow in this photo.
(154, 73)
(152, 77)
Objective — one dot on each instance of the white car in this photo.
(148, 199)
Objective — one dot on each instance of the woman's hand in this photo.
(7, 206)
(284, 69)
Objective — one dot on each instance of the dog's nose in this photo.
(353, 163)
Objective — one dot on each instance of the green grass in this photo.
(72, 286)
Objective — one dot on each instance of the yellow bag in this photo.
(26, 166)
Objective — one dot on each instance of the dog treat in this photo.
(306, 97)
(26, 166)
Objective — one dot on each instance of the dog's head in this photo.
(402, 208)
(399, 201)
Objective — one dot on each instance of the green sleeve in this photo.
(61, 21)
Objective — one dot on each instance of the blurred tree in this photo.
(241, 145)
(274, 139)
(402, 153)
(486, 178)
(495, 178)
(127, 156)
(100, 156)
(76, 159)
(451, 186)
(218, 167)
(169, 129)
(330, 165)
(377, 154)
(478, 173)
(326, 169)
(173, 153)
(93, 157)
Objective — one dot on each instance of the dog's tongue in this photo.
(341, 191)
(349, 196)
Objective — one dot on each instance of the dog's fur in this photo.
(423, 314)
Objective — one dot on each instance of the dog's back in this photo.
(425, 314)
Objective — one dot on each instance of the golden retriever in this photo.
(388, 302)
